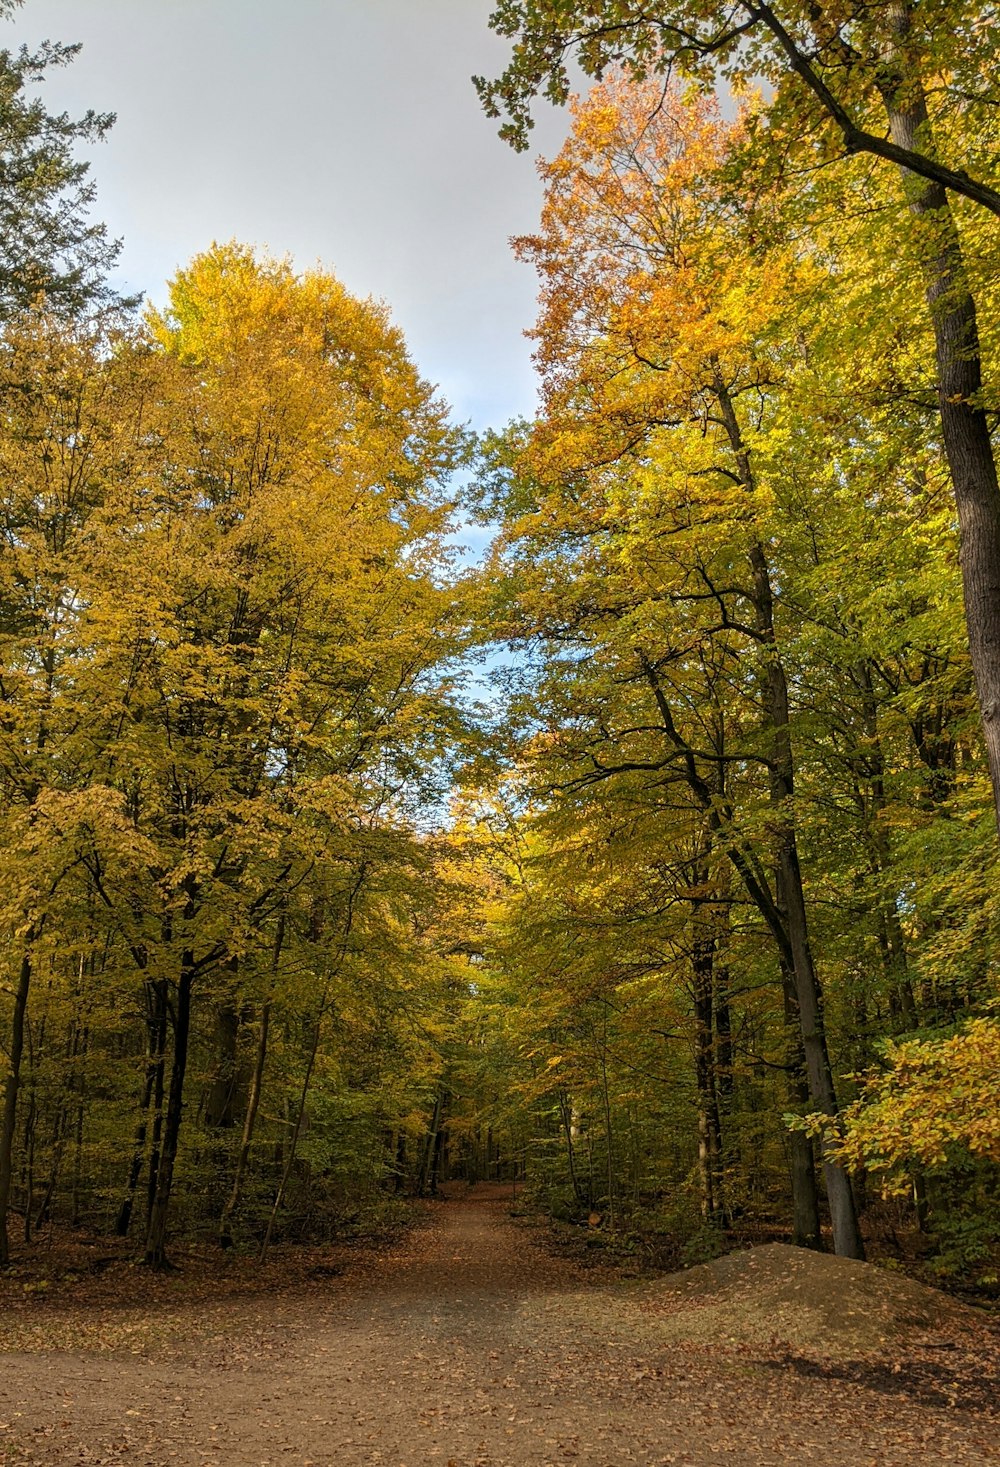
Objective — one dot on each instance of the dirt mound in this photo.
(807, 1301)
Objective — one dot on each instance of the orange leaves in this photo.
(652, 291)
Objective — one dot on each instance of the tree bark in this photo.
(440, 1138)
(428, 1179)
(222, 1099)
(846, 1233)
(399, 1163)
(709, 1126)
(156, 1031)
(806, 1232)
(8, 1127)
(566, 1116)
(964, 427)
(159, 1090)
(156, 1237)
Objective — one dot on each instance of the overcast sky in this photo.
(340, 131)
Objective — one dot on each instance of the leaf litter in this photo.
(468, 1342)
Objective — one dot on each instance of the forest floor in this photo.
(472, 1344)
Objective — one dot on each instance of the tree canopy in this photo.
(689, 922)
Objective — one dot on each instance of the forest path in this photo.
(470, 1347)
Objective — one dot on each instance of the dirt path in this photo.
(471, 1348)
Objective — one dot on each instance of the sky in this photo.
(341, 132)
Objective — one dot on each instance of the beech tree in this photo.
(907, 84)
(717, 665)
(69, 430)
(632, 356)
(705, 945)
(229, 592)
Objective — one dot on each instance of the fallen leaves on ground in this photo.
(467, 1343)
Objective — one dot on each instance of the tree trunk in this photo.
(806, 1231)
(8, 1127)
(964, 426)
(430, 1145)
(846, 1233)
(156, 1237)
(156, 1029)
(221, 1100)
(440, 1137)
(609, 1140)
(709, 1128)
(159, 1090)
(890, 931)
(847, 1240)
(399, 1163)
(566, 1116)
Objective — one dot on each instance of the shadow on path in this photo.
(471, 1346)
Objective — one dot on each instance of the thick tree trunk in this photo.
(806, 1231)
(156, 1237)
(221, 1101)
(8, 1126)
(964, 426)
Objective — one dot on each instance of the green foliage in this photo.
(966, 1231)
(637, 996)
(48, 244)
(225, 627)
(254, 989)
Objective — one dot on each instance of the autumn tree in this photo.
(905, 84)
(655, 325)
(680, 551)
(253, 611)
(70, 432)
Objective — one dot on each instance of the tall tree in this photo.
(49, 246)
(225, 628)
(70, 430)
(907, 84)
(653, 342)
